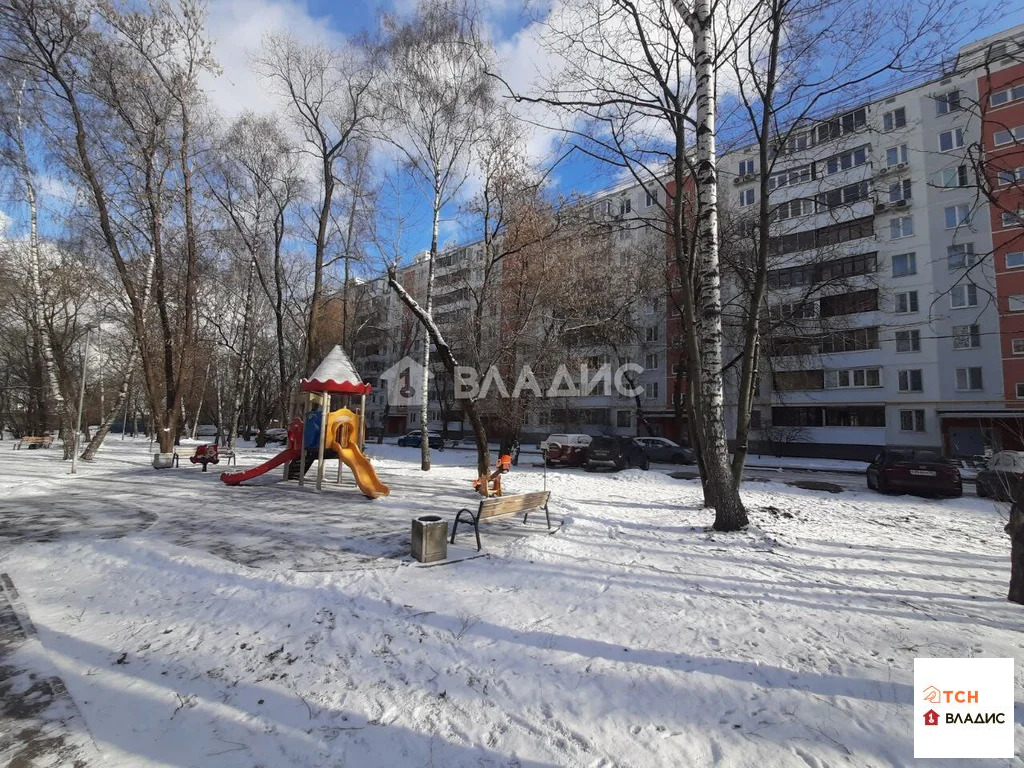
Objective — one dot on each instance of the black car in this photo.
(616, 452)
(663, 449)
(912, 470)
(1001, 476)
(414, 438)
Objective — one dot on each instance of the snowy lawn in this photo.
(200, 625)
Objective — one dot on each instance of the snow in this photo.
(196, 624)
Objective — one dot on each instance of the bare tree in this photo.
(329, 98)
(436, 96)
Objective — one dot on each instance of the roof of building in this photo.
(336, 375)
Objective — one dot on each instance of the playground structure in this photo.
(325, 434)
(490, 485)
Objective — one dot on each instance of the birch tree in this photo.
(435, 98)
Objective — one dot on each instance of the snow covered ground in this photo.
(200, 625)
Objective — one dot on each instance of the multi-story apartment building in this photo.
(890, 290)
(895, 306)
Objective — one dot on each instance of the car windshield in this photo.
(558, 438)
(920, 456)
(603, 443)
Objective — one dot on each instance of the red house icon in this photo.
(931, 717)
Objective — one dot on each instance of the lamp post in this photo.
(81, 399)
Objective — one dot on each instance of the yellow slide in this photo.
(342, 438)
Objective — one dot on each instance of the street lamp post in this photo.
(81, 399)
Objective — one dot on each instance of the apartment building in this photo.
(895, 306)
(893, 300)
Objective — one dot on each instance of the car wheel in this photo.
(982, 490)
(646, 465)
(588, 467)
(881, 484)
(872, 486)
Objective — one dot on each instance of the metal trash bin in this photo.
(429, 538)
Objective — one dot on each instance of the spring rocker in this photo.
(205, 454)
(491, 484)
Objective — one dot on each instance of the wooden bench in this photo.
(43, 441)
(498, 507)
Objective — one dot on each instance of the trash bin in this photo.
(163, 460)
(429, 538)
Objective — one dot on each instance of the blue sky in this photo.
(238, 25)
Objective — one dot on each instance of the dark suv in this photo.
(616, 452)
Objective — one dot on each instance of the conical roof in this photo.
(335, 374)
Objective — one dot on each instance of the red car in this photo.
(565, 450)
(910, 470)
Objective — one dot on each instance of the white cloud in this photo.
(237, 28)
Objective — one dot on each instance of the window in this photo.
(999, 98)
(966, 337)
(746, 167)
(855, 416)
(797, 416)
(746, 197)
(895, 119)
(949, 140)
(1008, 135)
(839, 126)
(625, 206)
(800, 310)
(963, 295)
(846, 160)
(902, 226)
(652, 333)
(1010, 176)
(853, 378)
(947, 102)
(849, 303)
(904, 264)
(623, 419)
(853, 340)
(796, 381)
(912, 421)
(908, 341)
(1017, 346)
(957, 215)
(953, 177)
(960, 255)
(1015, 303)
(651, 363)
(906, 302)
(1011, 218)
(896, 155)
(650, 198)
(791, 176)
(797, 142)
(910, 381)
(1020, 390)
(792, 209)
(830, 234)
(968, 379)
(900, 190)
(1015, 260)
(847, 195)
(811, 274)
(651, 390)
(755, 419)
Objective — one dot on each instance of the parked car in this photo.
(616, 452)
(277, 435)
(413, 439)
(1001, 475)
(912, 470)
(567, 450)
(663, 449)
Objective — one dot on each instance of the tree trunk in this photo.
(730, 514)
(1015, 528)
(427, 304)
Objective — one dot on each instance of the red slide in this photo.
(292, 453)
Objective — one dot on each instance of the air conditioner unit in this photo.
(880, 206)
(883, 171)
(749, 177)
(901, 203)
(900, 166)
(737, 181)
